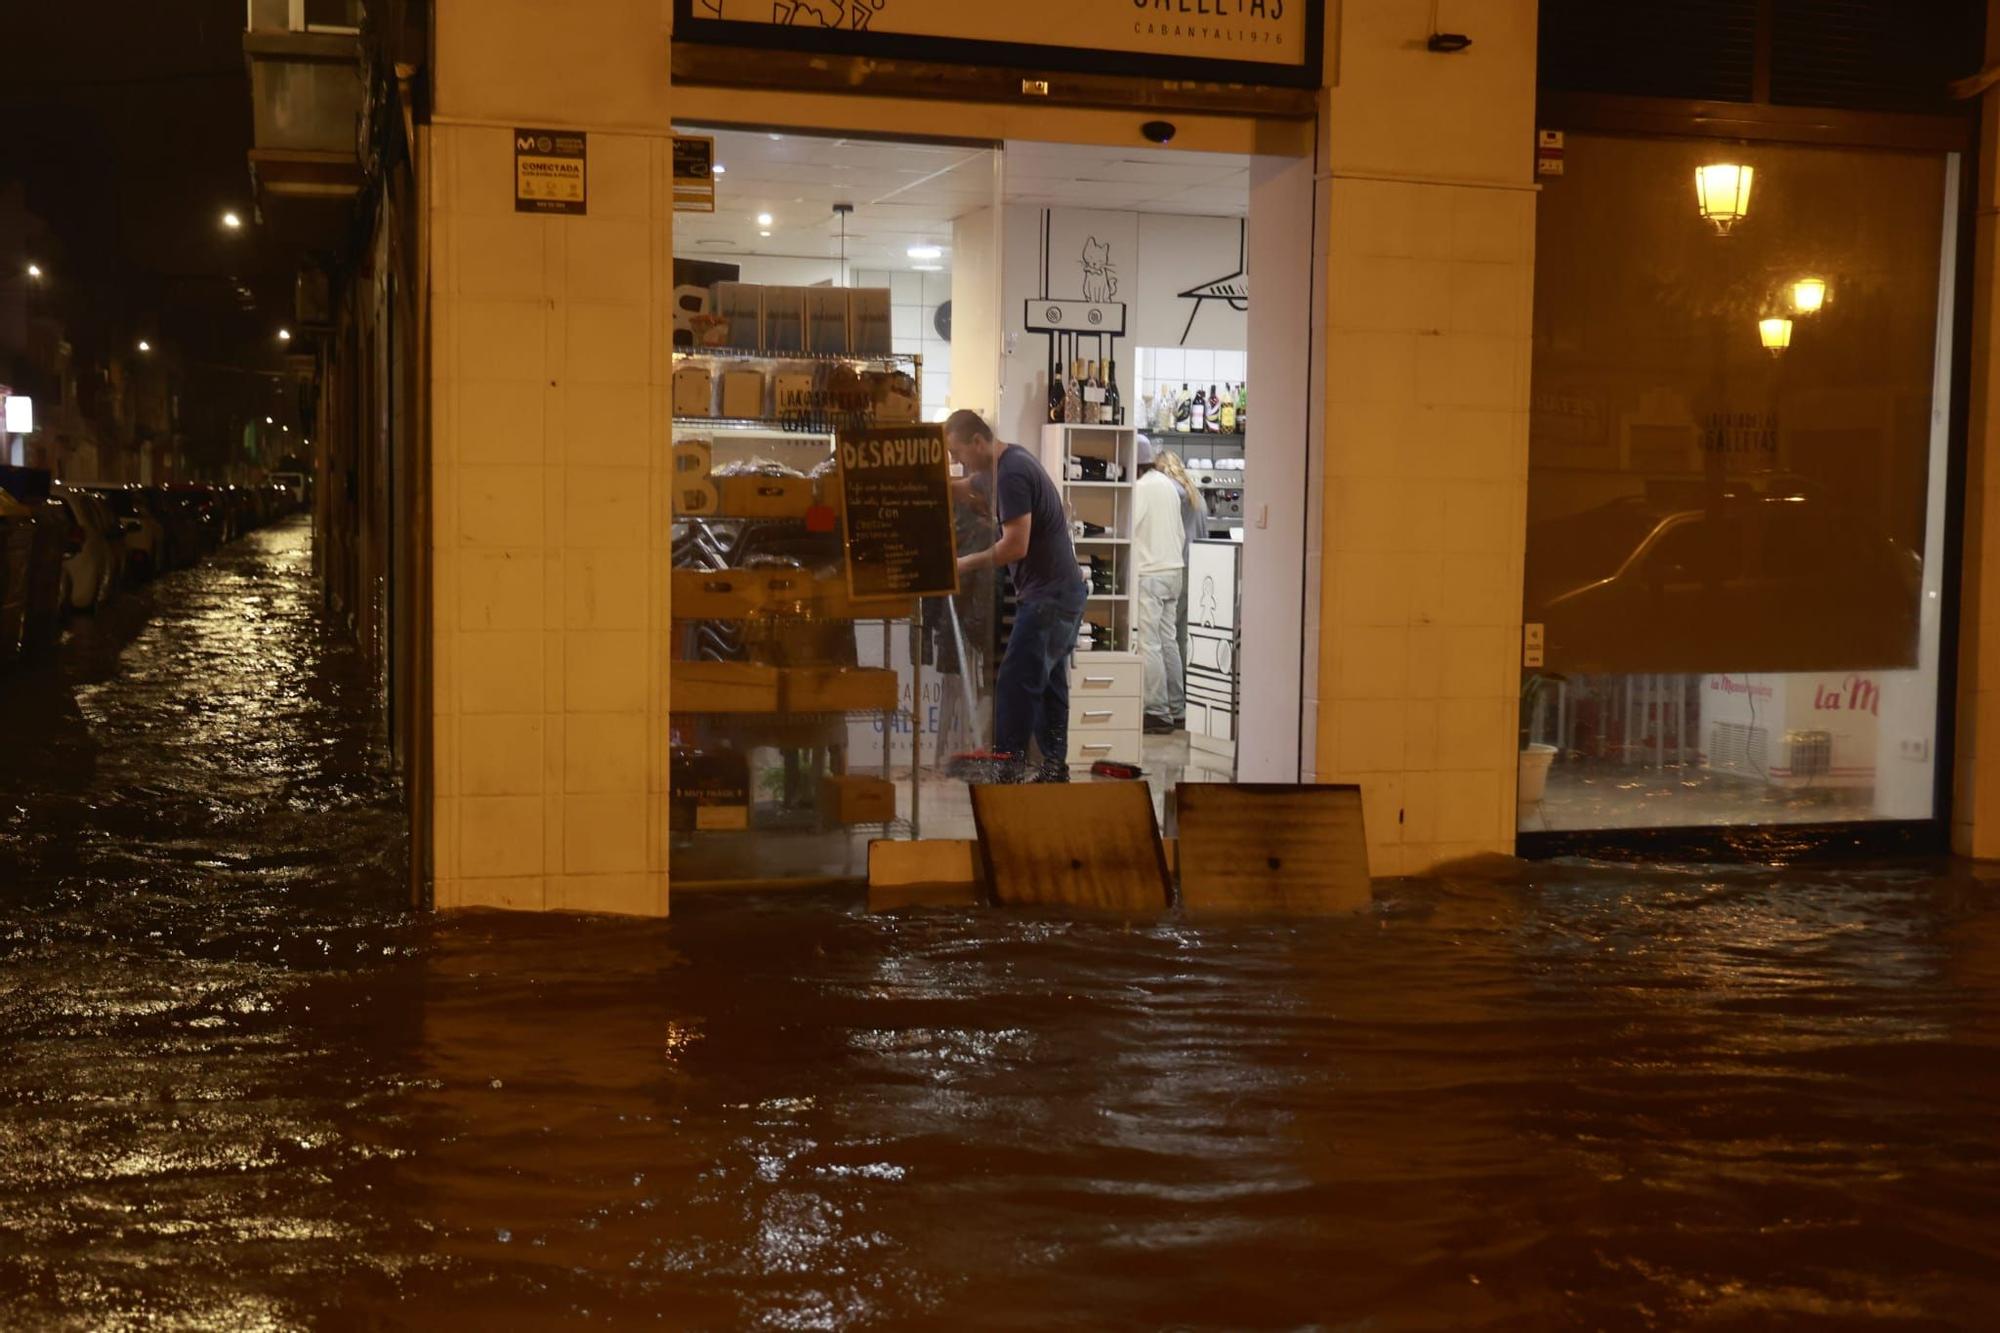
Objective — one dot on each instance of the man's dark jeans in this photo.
(1031, 693)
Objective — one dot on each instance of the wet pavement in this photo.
(243, 1088)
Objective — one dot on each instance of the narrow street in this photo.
(246, 1089)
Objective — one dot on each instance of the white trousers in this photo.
(1160, 644)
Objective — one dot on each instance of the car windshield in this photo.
(1580, 548)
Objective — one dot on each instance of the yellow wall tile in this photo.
(500, 505)
(501, 341)
(500, 836)
(500, 754)
(505, 674)
(607, 507)
(500, 589)
(622, 895)
(604, 835)
(606, 672)
(603, 753)
(605, 590)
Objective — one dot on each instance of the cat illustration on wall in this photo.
(1100, 277)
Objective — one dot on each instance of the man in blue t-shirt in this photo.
(1031, 690)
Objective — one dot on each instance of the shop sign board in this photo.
(1243, 41)
(551, 171)
(694, 173)
(895, 491)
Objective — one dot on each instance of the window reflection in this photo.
(1735, 498)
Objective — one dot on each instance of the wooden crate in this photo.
(850, 799)
(764, 497)
(838, 689)
(718, 594)
(724, 687)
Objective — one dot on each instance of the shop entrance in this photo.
(1094, 305)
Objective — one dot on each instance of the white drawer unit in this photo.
(1125, 747)
(1115, 713)
(1107, 675)
(1107, 708)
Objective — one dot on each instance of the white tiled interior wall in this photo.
(1197, 367)
(913, 302)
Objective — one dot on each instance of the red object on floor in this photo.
(1111, 768)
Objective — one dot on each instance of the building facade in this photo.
(1508, 323)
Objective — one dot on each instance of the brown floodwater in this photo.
(243, 1088)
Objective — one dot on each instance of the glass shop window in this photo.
(1736, 498)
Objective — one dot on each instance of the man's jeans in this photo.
(1031, 689)
(1160, 642)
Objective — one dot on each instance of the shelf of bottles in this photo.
(789, 700)
(1207, 429)
(1096, 466)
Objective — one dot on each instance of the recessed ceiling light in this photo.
(763, 233)
(718, 168)
(928, 268)
(763, 219)
(926, 252)
(776, 137)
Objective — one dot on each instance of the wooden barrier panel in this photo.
(1092, 844)
(1271, 847)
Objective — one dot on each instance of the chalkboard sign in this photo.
(895, 490)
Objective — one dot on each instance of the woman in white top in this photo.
(1159, 553)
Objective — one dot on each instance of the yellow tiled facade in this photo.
(550, 546)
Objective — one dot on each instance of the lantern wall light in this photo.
(1722, 189)
(1776, 333)
(1808, 295)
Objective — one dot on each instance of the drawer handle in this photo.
(1105, 746)
(1097, 712)
(1099, 680)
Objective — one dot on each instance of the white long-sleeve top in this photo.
(1159, 538)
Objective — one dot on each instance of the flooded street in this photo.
(243, 1087)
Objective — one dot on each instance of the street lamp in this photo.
(269, 422)
(145, 346)
(231, 221)
(35, 271)
(1722, 189)
(1808, 295)
(284, 335)
(1775, 333)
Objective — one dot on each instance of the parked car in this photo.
(293, 484)
(93, 553)
(1747, 583)
(46, 521)
(203, 504)
(145, 535)
(182, 544)
(17, 546)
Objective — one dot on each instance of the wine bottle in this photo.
(1183, 411)
(1093, 395)
(1055, 395)
(1198, 414)
(1073, 395)
(1214, 411)
(1114, 406)
(1243, 408)
(1228, 409)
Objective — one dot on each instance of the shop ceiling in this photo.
(906, 195)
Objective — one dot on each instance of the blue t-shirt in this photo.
(1023, 487)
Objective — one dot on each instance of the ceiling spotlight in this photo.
(764, 233)
(926, 252)
(231, 221)
(718, 169)
(34, 270)
(763, 219)
(284, 335)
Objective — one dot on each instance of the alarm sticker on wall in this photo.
(550, 174)
(1548, 152)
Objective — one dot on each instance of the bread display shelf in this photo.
(747, 687)
(743, 594)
